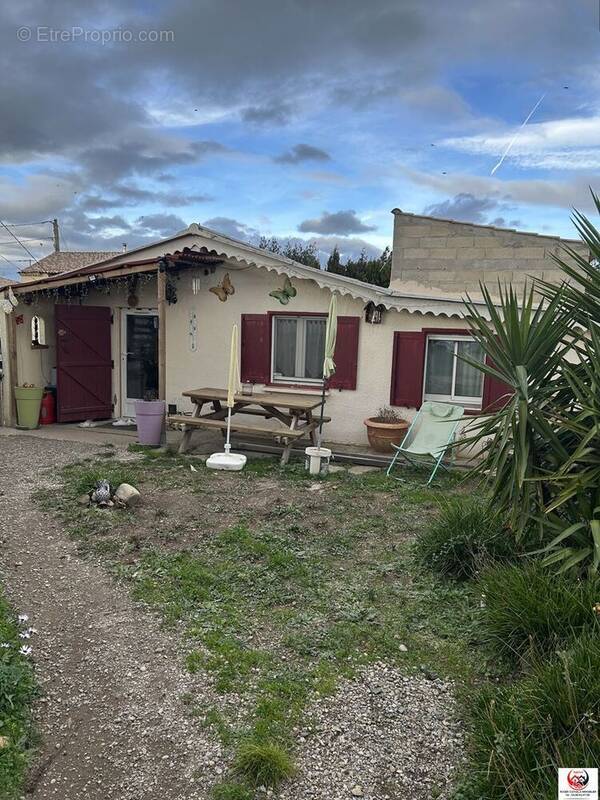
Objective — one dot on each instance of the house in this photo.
(63, 261)
(159, 318)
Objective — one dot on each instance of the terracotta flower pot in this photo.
(382, 435)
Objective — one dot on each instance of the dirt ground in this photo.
(110, 715)
(296, 568)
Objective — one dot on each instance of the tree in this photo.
(369, 270)
(334, 263)
(297, 249)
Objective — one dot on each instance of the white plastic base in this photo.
(230, 461)
(317, 460)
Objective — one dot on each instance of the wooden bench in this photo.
(236, 427)
(294, 412)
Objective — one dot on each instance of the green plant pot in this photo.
(29, 401)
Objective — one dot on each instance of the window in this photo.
(38, 332)
(298, 349)
(447, 376)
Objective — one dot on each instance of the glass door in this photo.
(139, 359)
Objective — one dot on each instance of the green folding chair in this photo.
(430, 435)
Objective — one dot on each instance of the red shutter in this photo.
(408, 363)
(346, 354)
(496, 394)
(256, 348)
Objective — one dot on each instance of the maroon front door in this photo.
(83, 363)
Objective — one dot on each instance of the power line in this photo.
(7, 260)
(25, 224)
(35, 238)
(16, 238)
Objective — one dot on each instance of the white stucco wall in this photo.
(208, 365)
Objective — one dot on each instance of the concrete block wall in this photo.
(455, 256)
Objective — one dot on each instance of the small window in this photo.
(447, 376)
(298, 349)
(38, 332)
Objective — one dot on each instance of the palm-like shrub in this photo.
(525, 344)
(541, 449)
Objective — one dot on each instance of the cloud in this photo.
(145, 153)
(102, 116)
(349, 247)
(277, 112)
(570, 143)
(231, 227)
(162, 224)
(302, 152)
(341, 222)
(463, 207)
(127, 195)
(502, 222)
(564, 194)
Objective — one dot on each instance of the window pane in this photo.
(285, 347)
(315, 348)
(142, 356)
(469, 380)
(440, 355)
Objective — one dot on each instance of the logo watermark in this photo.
(578, 782)
(101, 36)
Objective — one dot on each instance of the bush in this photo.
(548, 719)
(526, 606)
(263, 763)
(465, 535)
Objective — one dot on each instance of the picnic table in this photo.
(292, 412)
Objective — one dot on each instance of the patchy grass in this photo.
(547, 719)
(17, 689)
(282, 585)
(529, 608)
(263, 764)
(465, 537)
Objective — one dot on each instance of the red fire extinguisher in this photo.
(48, 409)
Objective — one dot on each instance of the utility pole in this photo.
(56, 235)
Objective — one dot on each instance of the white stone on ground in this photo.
(386, 735)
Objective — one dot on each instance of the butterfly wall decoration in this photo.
(284, 295)
(224, 289)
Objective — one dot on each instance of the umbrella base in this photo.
(229, 461)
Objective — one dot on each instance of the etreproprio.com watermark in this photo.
(102, 36)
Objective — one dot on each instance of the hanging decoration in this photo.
(132, 296)
(171, 291)
(224, 289)
(284, 295)
(374, 313)
(193, 331)
(9, 301)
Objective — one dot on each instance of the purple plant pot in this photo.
(149, 415)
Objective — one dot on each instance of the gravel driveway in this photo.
(111, 717)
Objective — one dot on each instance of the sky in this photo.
(313, 119)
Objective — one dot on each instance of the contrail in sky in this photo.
(513, 140)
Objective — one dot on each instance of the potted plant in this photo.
(149, 415)
(386, 428)
(29, 400)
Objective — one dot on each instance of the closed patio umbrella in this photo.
(328, 362)
(229, 460)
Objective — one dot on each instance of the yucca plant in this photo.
(581, 289)
(525, 342)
